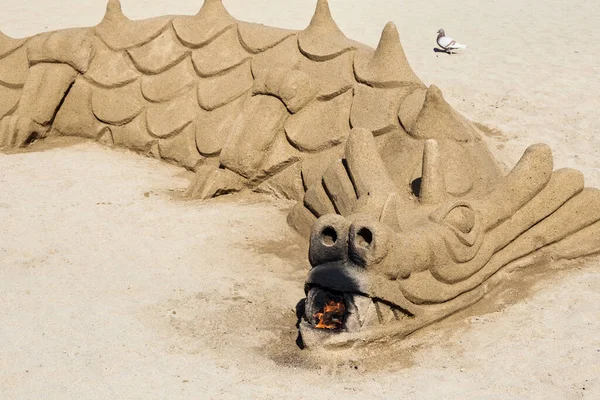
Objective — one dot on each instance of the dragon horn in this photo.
(367, 169)
(432, 182)
(531, 174)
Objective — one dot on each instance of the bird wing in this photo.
(448, 43)
(445, 42)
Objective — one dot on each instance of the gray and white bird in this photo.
(448, 44)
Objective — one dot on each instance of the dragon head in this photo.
(390, 267)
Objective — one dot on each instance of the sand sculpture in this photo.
(410, 218)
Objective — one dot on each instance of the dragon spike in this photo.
(8, 44)
(388, 65)
(213, 9)
(323, 39)
(114, 13)
(3, 38)
(322, 16)
(198, 30)
(389, 62)
(529, 177)
(432, 182)
(114, 7)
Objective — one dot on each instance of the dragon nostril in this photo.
(328, 236)
(415, 187)
(364, 237)
(328, 240)
(368, 242)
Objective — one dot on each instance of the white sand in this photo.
(113, 288)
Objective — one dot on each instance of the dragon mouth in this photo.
(335, 312)
(340, 309)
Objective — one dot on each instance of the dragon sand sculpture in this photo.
(409, 216)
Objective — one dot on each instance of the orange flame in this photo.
(332, 316)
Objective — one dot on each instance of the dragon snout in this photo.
(368, 242)
(329, 240)
(334, 238)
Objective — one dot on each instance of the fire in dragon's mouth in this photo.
(332, 316)
(326, 310)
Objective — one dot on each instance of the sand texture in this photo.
(114, 286)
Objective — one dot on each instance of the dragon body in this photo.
(409, 215)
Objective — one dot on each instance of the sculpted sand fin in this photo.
(213, 10)
(531, 174)
(8, 44)
(322, 39)
(114, 7)
(256, 39)
(119, 32)
(438, 120)
(388, 66)
(211, 21)
(14, 68)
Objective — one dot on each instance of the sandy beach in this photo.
(114, 287)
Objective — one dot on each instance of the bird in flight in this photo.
(448, 44)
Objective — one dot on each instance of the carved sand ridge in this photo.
(410, 217)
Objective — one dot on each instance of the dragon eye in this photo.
(463, 221)
(462, 218)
